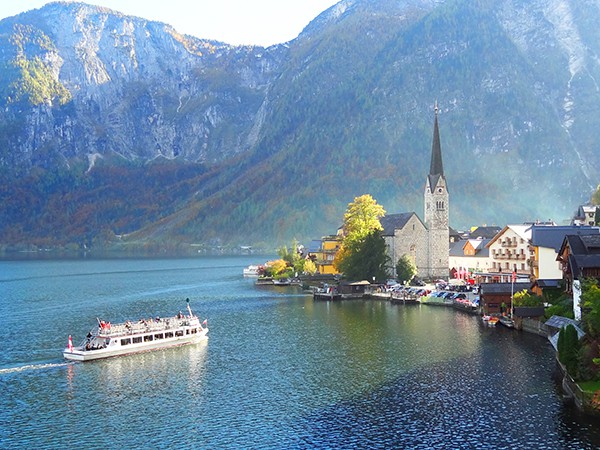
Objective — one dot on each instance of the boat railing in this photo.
(146, 325)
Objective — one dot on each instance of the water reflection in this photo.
(281, 371)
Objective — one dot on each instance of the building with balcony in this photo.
(322, 252)
(510, 252)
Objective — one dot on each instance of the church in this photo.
(426, 241)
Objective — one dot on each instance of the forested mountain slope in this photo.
(116, 129)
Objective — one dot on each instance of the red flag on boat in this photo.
(70, 344)
(205, 322)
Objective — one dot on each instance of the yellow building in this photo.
(323, 252)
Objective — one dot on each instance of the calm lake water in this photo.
(278, 370)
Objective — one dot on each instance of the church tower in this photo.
(437, 211)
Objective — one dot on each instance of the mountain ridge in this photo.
(273, 143)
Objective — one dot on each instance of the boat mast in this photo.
(188, 307)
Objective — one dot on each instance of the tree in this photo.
(524, 298)
(596, 196)
(570, 350)
(277, 269)
(310, 267)
(290, 255)
(366, 259)
(293, 256)
(405, 269)
(361, 220)
(590, 300)
(595, 200)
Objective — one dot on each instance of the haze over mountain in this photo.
(116, 129)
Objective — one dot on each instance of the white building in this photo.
(510, 252)
(586, 215)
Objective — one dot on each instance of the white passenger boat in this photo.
(107, 340)
(251, 271)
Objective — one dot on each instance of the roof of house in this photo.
(549, 283)
(481, 251)
(503, 288)
(393, 222)
(584, 252)
(561, 322)
(523, 231)
(315, 245)
(485, 232)
(553, 237)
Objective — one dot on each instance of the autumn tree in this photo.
(361, 218)
(310, 267)
(363, 253)
(292, 256)
(278, 268)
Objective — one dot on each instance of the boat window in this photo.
(169, 334)
(158, 336)
(125, 341)
(148, 337)
(193, 331)
(179, 333)
(137, 340)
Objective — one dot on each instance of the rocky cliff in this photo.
(245, 144)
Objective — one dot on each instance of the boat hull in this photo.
(81, 354)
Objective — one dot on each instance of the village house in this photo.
(322, 252)
(509, 252)
(496, 298)
(579, 257)
(546, 270)
(586, 215)
(469, 257)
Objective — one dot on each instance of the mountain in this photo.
(120, 130)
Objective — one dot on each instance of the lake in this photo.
(278, 370)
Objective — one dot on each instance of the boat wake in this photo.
(28, 367)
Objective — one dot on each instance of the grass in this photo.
(589, 386)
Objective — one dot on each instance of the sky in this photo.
(237, 22)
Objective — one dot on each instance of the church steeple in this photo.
(436, 168)
(437, 205)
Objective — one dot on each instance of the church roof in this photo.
(393, 222)
(436, 168)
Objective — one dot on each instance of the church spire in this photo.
(436, 167)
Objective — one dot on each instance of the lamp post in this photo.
(512, 288)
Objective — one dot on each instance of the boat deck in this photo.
(145, 326)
